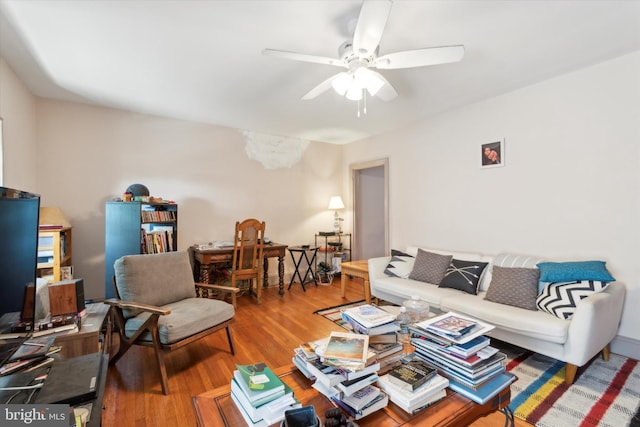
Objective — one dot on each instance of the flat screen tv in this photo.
(19, 214)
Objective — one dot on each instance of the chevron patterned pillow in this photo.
(561, 298)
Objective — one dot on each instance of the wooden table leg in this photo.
(343, 280)
(281, 274)
(367, 290)
(265, 276)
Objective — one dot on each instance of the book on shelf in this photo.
(483, 394)
(479, 366)
(381, 401)
(362, 397)
(470, 332)
(270, 418)
(257, 397)
(346, 349)
(302, 367)
(325, 374)
(369, 315)
(348, 387)
(471, 382)
(411, 375)
(412, 402)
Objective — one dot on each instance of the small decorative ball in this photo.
(138, 190)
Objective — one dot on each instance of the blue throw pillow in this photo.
(574, 270)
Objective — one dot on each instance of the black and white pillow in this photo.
(562, 298)
(463, 275)
(400, 264)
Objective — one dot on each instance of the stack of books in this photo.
(381, 327)
(414, 385)
(456, 345)
(261, 397)
(344, 370)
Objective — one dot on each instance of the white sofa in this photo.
(574, 341)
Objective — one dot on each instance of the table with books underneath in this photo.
(453, 378)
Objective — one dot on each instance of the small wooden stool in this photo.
(358, 269)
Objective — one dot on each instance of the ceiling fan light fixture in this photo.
(342, 83)
(355, 92)
(369, 80)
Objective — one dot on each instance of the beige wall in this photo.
(18, 112)
(570, 185)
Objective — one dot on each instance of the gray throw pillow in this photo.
(430, 267)
(517, 287)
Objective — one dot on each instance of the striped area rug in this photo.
(604, 394)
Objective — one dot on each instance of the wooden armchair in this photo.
(157, 306)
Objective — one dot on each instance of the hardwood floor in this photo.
(268, 332)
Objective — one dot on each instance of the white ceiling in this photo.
(201, 60)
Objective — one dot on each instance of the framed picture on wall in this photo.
(492, 154)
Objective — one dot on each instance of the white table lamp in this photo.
(335, 204)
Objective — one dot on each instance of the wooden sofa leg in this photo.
(570, 373)
(161, 366)
(606, 351)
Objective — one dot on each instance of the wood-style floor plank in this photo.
(267, 332)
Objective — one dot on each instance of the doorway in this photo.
(370, 189)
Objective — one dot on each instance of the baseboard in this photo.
(626, 346)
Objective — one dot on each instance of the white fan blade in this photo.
(303, 57)
(420, 57)
(386, 92)
(321, 88)
(371, 22)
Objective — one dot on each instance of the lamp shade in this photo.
(336, 203)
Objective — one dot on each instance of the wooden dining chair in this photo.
(247, 263)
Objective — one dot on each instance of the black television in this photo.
(19, 215)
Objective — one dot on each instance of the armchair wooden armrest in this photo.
(130, 305)
(233, 291)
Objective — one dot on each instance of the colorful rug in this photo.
(333, 313)
(604, 394)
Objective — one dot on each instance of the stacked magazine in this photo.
(344, 370)
(261, 397)
(414, 385)
(456, 345)
(381, 327)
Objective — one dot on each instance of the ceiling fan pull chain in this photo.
(364, 100)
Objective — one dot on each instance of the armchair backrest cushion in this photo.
(157, 279)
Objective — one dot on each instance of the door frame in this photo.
(354, 170)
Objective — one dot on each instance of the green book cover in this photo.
(260, 377)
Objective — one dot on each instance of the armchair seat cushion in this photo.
(188, 317)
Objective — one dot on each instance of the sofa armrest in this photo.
(594, 324)
(377, 267)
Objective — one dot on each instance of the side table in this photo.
(359, 269)
(302, 254)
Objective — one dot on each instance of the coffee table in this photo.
(215, 408)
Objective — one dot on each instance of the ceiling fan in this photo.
(360, 57)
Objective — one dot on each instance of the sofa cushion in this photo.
(514, 286)
(400, 264)
(574, 270)
(430, 267)
(508, 260)
(561, 299)
(535, 324)
(463, 275)
(188, 316)
(404, 289)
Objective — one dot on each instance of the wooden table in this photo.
(206, 258)
(215, 408)
(88, 339)
(358, 269)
